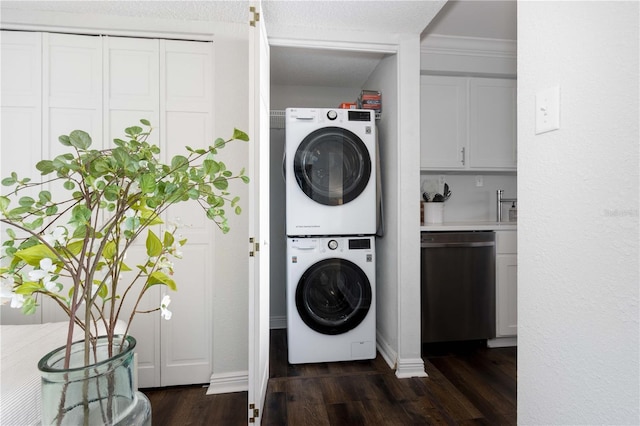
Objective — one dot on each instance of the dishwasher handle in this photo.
(463, 244)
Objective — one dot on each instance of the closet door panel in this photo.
(131, 92)
(145, 327)
(72, 99)
(186, 108)
(186, 342)
(121, 119)
(73, 89)
(188, 75)
(132, 74)
(21, 69)
(21, 130)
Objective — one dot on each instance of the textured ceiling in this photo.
(486, 19)
(388, 16)
(223, 11)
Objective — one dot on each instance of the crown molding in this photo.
(468, 46)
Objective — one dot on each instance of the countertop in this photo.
(471, 226)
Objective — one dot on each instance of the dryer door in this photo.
(332, 166)
(333, 296)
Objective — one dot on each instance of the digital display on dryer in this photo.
(359, 116)
(360, 244)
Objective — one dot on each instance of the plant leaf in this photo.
(80, 139)
(154, 245)
(34, 254)
(240, 135)
(158, 277)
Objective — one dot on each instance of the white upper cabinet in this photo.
(443, 112)
(468, 123)
(492, 123)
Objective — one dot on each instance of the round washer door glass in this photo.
(332, 166)
(333, 296)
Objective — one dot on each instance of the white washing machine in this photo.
(330, 166)
(331, 299)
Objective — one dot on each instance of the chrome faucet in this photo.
(501, 200)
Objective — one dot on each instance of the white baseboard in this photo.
(237, 381)
(502, 342)
(387, 352)
(277, 322)
(410, 367)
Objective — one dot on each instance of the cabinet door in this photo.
(492, 123)
(443, 123)
(507, 295)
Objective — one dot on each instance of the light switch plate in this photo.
(548, 110)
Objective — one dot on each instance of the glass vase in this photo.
(101, 393)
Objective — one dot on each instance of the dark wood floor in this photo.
(467, 384)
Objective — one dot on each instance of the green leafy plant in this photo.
(71, 247)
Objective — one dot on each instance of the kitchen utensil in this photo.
(438, 198)
(425, 196)
(447, 192)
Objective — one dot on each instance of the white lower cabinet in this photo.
(506, 289)
(507, 295)
(55, 83)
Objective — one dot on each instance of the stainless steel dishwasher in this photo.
(458, 286)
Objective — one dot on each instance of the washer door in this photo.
(333, 296)
(332, 166)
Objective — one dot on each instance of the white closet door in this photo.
(21, 117)
(187, 119)
(72, 99)
(131, 92)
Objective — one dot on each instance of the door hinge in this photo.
(255, 413)
(256, 16)
(255, 246)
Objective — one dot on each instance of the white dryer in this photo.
(330, 166)
(331, 299)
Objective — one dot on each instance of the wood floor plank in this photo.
(468, 384)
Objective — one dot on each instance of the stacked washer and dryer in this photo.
(331, 221)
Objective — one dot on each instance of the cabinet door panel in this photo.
(492, 123)
(443, 130)
(507, 295)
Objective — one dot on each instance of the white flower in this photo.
(57, 235)
(164, 312)
(48, 284)
(6, 289)
(46, 266)
(165, 266)
(175, 250)
(17, 301)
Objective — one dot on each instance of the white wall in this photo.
(578, 345)
(384, 78)
(311, 96)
